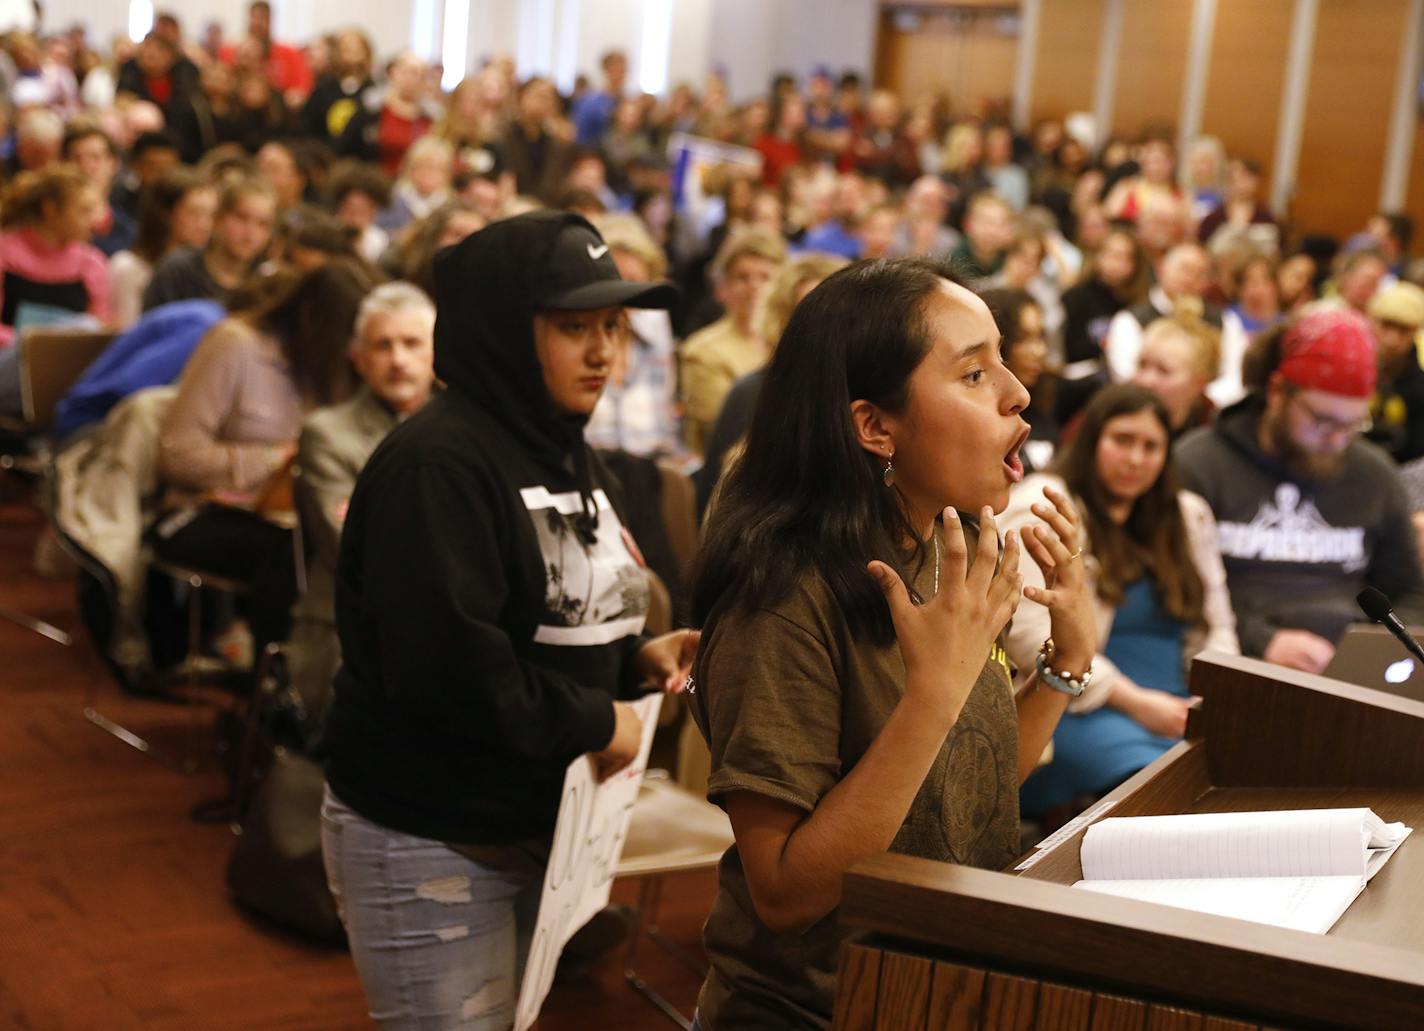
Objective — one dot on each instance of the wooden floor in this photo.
(113, 909)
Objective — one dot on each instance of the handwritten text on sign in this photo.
(588, 841)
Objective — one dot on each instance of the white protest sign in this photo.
(588, 842)
(692, 157)
(17, 16)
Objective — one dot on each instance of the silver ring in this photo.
(1075, 554)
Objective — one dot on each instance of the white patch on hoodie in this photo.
(1289, 531)
(594, 594)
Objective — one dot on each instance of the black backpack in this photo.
(276, 867)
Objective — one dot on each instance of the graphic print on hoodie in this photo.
(1298, 550)
(594, 593)
(1288, 528)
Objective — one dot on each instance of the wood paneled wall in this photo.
(884, 989)
(1246, 78)
(1066, 71)
(1357, 46)
(1151, 63)
(1348, 105)
(968, 58)
(1414, 201)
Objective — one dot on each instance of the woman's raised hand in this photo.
(1057, 547)
(945, 641)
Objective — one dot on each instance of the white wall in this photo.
(562, 38)
(755, 39)
(387, 21)
(621, 24)
(752, 39)
(494, 29)
(606, 25)
(690, 56)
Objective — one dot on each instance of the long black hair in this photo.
(1153, 540)
(805, 497)
(156, 205)
(1007, 305)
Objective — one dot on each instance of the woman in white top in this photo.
(1151, 558)
(177, 211)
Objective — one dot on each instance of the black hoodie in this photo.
(487, 615)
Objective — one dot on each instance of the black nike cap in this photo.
(580, 275)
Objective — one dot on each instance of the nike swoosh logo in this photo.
(597, 252)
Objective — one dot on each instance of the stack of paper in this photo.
(1299, 869)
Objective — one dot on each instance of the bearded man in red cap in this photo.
(1308, 513)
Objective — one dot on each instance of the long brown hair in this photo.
(1135, 289)
(312, 317)
(421, 239)
(156, 206)
(1153, 540)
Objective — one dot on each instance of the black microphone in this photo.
(1377, 607)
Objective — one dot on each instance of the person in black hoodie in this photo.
(490, 608)
(339, 95)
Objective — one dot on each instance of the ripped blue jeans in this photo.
(439, 938)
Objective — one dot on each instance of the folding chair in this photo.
(51, 360)
(673, 830)
(275, 505)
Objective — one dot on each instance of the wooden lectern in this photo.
(937, 946)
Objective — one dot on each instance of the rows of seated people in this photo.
(1238, 410)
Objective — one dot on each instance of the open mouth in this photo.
(1013, 465)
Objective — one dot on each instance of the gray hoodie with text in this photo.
(1297, 550)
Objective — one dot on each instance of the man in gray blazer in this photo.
(394, 354)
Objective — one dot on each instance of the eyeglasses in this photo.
(1328, 425)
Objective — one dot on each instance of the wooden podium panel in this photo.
(1023, 949)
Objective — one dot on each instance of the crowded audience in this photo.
(1217, 404)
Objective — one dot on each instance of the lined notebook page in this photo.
(1294, 843)
(1298, 869)
(1311, 904)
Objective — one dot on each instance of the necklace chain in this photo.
(936, 572)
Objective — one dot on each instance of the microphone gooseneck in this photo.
(1375, 605)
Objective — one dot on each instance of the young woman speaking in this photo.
(852, 680)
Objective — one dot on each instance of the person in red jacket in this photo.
(782, 147)
(286, 66)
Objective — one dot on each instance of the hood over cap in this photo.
(487, 289)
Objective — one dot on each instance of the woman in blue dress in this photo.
(1160, 591)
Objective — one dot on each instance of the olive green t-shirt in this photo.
(793, 702)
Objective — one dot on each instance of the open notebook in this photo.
(1298, 869)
